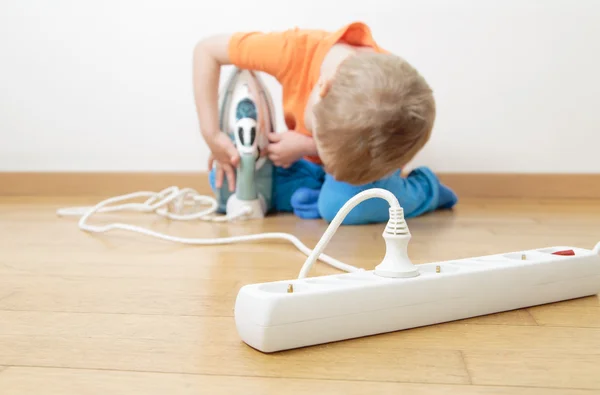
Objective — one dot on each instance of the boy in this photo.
(356, 115)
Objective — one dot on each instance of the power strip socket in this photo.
(284, 315)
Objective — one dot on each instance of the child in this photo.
(356, 115)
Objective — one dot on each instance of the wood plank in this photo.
(460, 336)
(166, 264)
(566, 315)
(205, 357)
(59, 381)
(466, 185)
(534, 368)
(120, 296)
(202, 345)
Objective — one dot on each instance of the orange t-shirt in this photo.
(294, 58)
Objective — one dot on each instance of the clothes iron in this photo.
(247, 116)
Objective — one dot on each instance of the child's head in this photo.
(373, 116)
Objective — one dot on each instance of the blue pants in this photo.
(306, 190)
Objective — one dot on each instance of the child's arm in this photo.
(209, 55)
(266, 52)
(286, 148)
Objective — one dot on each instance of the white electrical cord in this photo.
(160, 203)
(337, 220)
(174, 199)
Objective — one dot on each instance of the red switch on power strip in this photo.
(564, 252)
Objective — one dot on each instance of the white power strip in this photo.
(282, 315)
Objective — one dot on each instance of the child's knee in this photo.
(367, 212)
(334, 195)
(301, 175)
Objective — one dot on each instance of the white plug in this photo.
(396, 263)
(396, 236)
(597, 248)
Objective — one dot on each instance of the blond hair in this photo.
(376, 116)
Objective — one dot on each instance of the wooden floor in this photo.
(121, 313)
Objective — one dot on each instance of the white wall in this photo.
(105, 86)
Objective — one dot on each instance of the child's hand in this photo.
(224, 153)
(288, 147)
